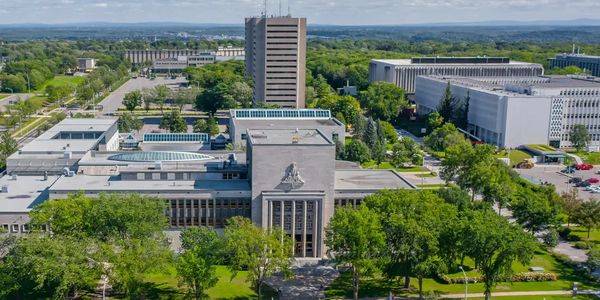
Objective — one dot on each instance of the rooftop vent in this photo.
(5, 189)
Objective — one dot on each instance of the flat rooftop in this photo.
(287, 137)
(24, 193)
(47, 142)
(570, 82)
(407, 62)
(114, 184)
(285, 123)
(362, 179)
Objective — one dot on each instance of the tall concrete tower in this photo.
(276, 59)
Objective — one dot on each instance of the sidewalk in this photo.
(506, 294)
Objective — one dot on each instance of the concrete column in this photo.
(176, 212)
(270, 220)
(184, 204)
(281, 217)
(215, 212)
(304, 228)
(316, 238)
(294, 226)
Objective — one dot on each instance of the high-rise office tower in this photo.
(276, 59)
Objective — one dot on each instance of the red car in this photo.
(593, 180)
(583, 167)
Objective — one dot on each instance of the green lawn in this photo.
(60, 80)
(592, 158)
(387, 165)
(379, 287)
(581, 232)
(550, 297)
(516, 156)
(425, 175)
(541, 147)
(165, 286)
(2, 96)
(431, 186)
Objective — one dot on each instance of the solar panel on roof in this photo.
(176, 137)
(159, 156)
(280, 114)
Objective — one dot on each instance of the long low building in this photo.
(510, 112)
(588, 63)
(286, 178)
(139, 56)
(404, 72)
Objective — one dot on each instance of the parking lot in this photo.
(550, 174)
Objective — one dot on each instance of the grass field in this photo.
(2, 96)
(581, 297)
(431, 186)
(516, 156)
(165, 286)
(592, 158)
(379, 287)
(387, 165)
(60, 80)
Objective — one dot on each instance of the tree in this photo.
(571, 203)
(441, 138)
(462, 114)
(132, 100)
(173, 122)
(388, 131)
(212, 99)
(579, 137)
(446, 108)
(588, 215)
(159, 95)
(533, 210)
(370, 137)
(185, 96)
(593, 260)
(196, 272)
(357, 151)
(242, 94)
(355, 237)
(406, 151)
(413, 223)
(213, 127)
(340, 150)
(494, 244)
(8, 146)
(59, 266)
(471, 166)
(378, 152)
(259, 251)
(128, 122)
(383, 100)
(434, 120)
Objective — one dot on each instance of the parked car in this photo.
(583, 184)
(575, 180)
(568, 170)
(593, 180)
(583, 167)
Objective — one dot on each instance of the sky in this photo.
(341, 12)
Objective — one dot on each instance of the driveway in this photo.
(14, 97)
(550, 173)
(114, 101)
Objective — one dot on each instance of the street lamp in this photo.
(28, 83)
(466, 281)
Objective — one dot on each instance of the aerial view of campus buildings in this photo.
(275, 158)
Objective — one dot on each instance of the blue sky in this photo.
(344, 12)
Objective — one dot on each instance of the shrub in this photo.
(573, 238)
(520, 277)
(551, 238)
(564, 232)
(582, 245)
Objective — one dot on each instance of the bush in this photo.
(573, 238)
(564, 232)
(551, 238)
(520, 277)
(582, 245)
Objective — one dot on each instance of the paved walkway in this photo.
(307, 283)
(576, 255)
(506, 294)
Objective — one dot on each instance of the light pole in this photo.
(28, 83)
(466, 281)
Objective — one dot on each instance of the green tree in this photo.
(259, 251)
(405, 151)
(494, 244)
(132, 100)
(441, 138)
(447, 105)
(185, 96)
(242, 94)
(212, 99)
(588, 215)
(579, 137)
(462, 114)
(389, 132)
(128, 122)
(173, 122)
(158, 95)
(357, 151)
(8, 146)
(383, 100)
(213, 127)
(355, 237)
(371, 137)
(571, 203)
(413, 223)
(196, 272)
(533, 210)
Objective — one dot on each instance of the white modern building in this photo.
(514, 111)
(404, 72)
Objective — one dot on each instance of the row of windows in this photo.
(582, 116)
(594, 92)
(281, 60)
(15, 228)
(176, 137)
(281, 95)
(282, 77)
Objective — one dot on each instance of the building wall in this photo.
(316, 165)
(589, 63)
(14, 223)
(405, 76)
(276, 60)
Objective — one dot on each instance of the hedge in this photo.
(519, 277)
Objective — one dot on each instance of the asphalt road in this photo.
(5, 101)
(114, 100)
